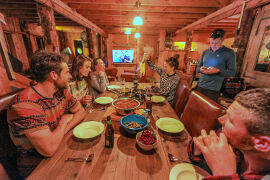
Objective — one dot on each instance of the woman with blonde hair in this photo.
(80, 86)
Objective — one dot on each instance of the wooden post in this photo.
(189, 37)
(95, 43)
(90, 43)
(241, 40)
(46, 15)
(4, 51)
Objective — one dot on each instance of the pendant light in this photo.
(138, 20)
(137, 35)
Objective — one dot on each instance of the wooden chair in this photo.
(185, 78)
(8, 151)
(111, 73)
(180, 98)
(201, 113)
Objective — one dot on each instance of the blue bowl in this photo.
(131, 118)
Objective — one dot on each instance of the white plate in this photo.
(104, 100)
(111, 87)
(184, 171)
(89, 129)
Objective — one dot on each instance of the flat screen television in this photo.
(123, 56)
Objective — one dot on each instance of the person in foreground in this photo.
(39, 116)
(80, 86)
(169, 79)
(215, 64)
(99, 80)
(242, 149)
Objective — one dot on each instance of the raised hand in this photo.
(217, 153)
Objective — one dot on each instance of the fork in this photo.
(172, 158)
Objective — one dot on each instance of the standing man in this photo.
(215, 64)
(242, 149)
(43, 113)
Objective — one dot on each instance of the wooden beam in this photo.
(9, 6)
(2, 18)
(145, 15)
(17, 11)
(96, 13)
(181, 3)
(145, 20)
(232, 9)
(129, 24)
(66, 11)
(84, 8)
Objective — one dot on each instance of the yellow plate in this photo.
(184, 171)
(157, 99)
(170, 125)
(88, 129)
(104, 100)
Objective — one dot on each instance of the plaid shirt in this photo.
(199, 160)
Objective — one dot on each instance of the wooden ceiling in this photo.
(113, 16)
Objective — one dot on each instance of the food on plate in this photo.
(126, 103)
(147, 138)
(133, 124)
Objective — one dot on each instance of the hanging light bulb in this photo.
(137, 21)
(128, 31)
(137, 35)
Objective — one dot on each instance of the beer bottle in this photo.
(149, 103)
(109, 134)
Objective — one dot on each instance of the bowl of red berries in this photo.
(146, 140)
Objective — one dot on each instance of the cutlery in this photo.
(87, 159)
(172, 158)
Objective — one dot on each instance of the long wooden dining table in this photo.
(124, 161)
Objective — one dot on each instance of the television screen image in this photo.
(123, 56)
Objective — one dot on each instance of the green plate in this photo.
(111, 87)
(89, 129)
(157, 99)
(104, 100)
(184, 171)
(170, 125)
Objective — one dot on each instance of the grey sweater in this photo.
(99, 83)
(222, 59)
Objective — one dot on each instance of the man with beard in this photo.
(242, 149)
(43, 113)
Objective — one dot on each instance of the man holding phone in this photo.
(215, 64)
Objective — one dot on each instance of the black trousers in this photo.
(209, 93)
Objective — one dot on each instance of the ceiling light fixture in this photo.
(137, 35)
(128, 31)
(138, 20)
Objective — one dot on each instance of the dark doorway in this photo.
(28, 46)
(99, 45)
(40, 43)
